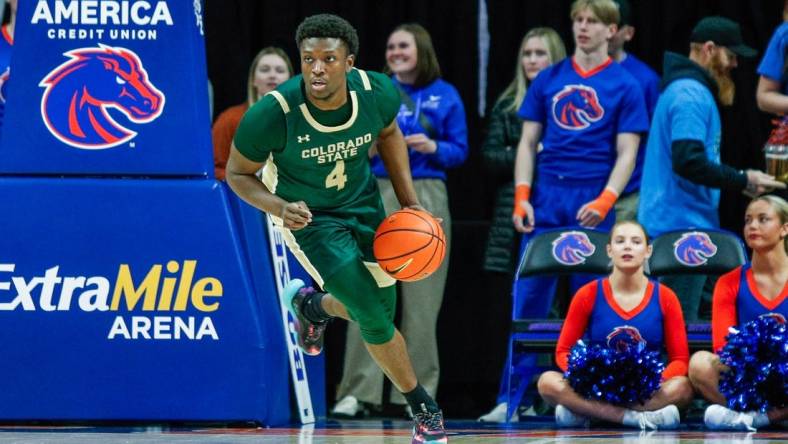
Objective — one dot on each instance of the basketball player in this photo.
(747, 292)
(622, 310)
(313, 133)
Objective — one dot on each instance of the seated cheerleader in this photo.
(753, 290)
(625, 306)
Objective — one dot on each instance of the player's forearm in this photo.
(394, 153)
(249, 188)
(627, 149)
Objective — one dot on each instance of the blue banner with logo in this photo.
(108, 87)
(132, 299)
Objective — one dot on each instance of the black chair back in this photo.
(695, 251)
(566, 251)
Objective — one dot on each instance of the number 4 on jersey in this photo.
(337, 177)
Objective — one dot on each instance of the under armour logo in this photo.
(302, 139)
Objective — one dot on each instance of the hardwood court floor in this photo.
(370, 432)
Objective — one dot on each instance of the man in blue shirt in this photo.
(683, 174)
(627, 204)
(772, 92)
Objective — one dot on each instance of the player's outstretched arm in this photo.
(394, 153)
(241, 177)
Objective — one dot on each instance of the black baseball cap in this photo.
(723, 32)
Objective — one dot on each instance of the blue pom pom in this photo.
(757, 356)
(616, 377)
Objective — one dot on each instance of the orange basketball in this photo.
(409, 245)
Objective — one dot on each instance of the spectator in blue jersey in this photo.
(432, 119)
(683, 174)
(540, 48)
(772, 92)
(627, 204)
(588, 113)
(6, 46)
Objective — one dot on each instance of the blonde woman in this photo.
(269, 68)
(759, 288)
(540, 48)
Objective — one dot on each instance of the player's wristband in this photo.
(521, 192)
(604, 202)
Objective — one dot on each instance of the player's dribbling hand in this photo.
(418, 207)
(523, 217)
(295, 215)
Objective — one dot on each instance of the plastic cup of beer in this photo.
(777, 161)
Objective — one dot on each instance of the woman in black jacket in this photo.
(540, 48)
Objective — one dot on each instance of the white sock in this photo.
(631, 418)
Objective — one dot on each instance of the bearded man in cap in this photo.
(683, 174)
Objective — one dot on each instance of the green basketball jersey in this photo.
(323, 163)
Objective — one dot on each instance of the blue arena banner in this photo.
(133, 299)
(108, 87)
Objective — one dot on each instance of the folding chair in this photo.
(555, 252)
(696, 251)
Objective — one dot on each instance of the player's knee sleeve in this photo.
(370, 306)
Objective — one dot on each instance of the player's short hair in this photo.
(328, 26)
(605, 10)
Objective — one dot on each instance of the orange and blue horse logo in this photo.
(694, 249)
(621, 338)
(576, 106)
(80, 92)
(4, 85)
(572, 248)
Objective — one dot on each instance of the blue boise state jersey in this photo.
(773, 62)
(581, 114)
(607, 324)
(750, 306)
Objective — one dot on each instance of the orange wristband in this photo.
(521, 192)
(604, 202)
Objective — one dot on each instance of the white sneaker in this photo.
(348, 407)
(567, 418)
(665, 418)
(498, 414)
(719, 417)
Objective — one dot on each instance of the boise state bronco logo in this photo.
(576, 106)
(621, 338)
(694, 249)
(4, 85)
(80, 92)
(572, 248)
